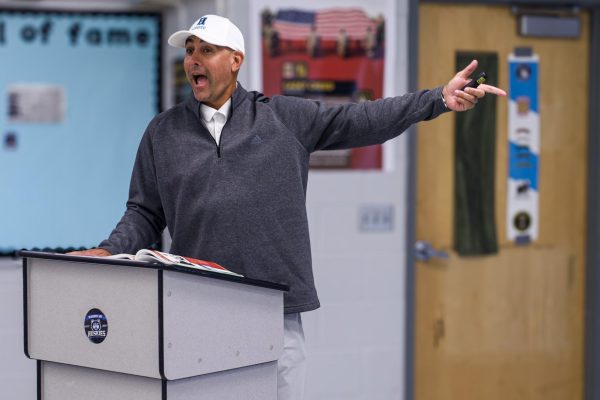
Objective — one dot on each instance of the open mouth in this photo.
(199, 79)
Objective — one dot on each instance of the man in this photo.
(226, 171)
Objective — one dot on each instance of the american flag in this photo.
(292, 24)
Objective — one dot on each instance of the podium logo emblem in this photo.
(95, 325)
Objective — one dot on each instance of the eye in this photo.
(189, 51)
(207, 50)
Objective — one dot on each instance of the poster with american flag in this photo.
(296, 24)
(334, 54)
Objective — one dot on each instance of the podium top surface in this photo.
(143, 264)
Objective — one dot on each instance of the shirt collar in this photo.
(208, 112)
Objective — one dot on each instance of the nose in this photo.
(195, 57)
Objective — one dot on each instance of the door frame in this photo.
(411, 206)
(592, 279)
(592, 282)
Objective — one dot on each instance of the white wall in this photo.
(356, 339)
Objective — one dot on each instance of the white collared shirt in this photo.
(214, 120)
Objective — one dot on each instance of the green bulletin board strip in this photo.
(474, 169)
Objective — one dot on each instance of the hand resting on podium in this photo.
(91, 252)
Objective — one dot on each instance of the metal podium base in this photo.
(68, 382)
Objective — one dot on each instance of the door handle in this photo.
(424, 251)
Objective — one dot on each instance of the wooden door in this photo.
(511, 325)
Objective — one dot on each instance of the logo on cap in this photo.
(201, 22)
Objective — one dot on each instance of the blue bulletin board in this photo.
(76, 93)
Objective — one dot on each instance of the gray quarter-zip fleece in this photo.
(242, 203)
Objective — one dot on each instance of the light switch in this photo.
(376, 218)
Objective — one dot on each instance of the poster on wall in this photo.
(523, 149)
(77, 90)
(328, 51)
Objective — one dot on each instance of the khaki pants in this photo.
(291, 367)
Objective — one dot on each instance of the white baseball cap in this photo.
(212, 29)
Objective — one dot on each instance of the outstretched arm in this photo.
(458, 100)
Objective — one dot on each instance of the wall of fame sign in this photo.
(76, 93)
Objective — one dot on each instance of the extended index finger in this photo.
(492, 89)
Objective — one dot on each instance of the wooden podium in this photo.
(104, 329)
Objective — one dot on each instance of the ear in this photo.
(237, 61)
